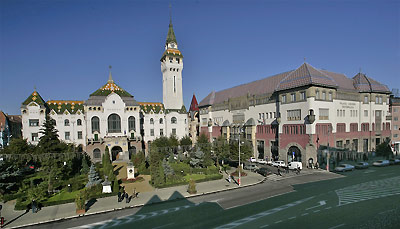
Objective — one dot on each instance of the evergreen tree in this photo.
(186, 141)
(107, 165)
(85, 166)
(197, 158)
(168, 170)
(384, 149)
(205, 147)
(221, 149)
(93, 177)
(9, 177)
(156, 169)
(49, 142)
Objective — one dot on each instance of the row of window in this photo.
(162, 132)
(266, 115)
(323, 97)
(174, 69)
(114, 123)
(294, 129)
(293, 97)
(35, 122)
(177, 60)
(341, 127)
(67, 136)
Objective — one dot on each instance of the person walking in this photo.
(127, 199)
(34, 207)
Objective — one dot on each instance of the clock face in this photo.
(172, 45)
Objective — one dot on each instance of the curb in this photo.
(135, 206)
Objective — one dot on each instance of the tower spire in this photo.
(110, 79)
(170, 14)
(171, 35)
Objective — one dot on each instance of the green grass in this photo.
(194, 177)
(64, 195)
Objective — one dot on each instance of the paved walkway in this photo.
(16, 219)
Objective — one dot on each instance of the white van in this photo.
(295, 165)
(278, 163)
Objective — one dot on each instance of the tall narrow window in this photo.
(131, 123)
(174, 84)
(95, 124)
(66, 122)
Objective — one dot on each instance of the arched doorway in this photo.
(294, 154)
(115, 151)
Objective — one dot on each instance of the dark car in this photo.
(362, 165)
(394, 161)
(264, 171)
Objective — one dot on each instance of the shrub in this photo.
(80, 200)
(192, 187)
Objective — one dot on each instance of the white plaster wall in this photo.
(32, 112)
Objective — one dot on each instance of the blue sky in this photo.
(64, 47)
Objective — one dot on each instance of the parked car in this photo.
(279, 163)
(344, 168)
(394, 161)
(252, 159)
(261, 161)
(264, 171)
(269, 162)
(362, 165)
(295, 165)
(381, 163)
(251, 167)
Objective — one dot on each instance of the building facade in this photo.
(10, 127)
(111, 117)
(288, 116)
(395, 135)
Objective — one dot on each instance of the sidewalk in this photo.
(65, 211)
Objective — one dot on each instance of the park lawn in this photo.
(63, 195)
(194, 177)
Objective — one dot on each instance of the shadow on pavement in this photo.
(15, 218)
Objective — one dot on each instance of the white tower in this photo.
(171, 68)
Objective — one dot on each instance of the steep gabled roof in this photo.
(305, 75)
(34, 97)
(171, 35)
(194, 106)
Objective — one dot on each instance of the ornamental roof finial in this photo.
(110, 79)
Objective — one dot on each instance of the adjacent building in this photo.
(112, 117)
(395, 135)
(10, 127)
(288, 116)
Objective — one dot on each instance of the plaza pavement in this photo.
(16, 219)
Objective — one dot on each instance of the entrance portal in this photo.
(115, 151)
(294, 154)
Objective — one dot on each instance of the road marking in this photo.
(266, 225)
(328, 208)
(294, 217)
(304, 214)
(369, 171)
(321, 203)
(369, 190)
(279, 221)
(316, 211)
(163, 226)
(337, 226)
(133, 218)
(262, 214)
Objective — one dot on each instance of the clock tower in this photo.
(171, 68)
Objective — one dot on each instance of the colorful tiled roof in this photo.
(305, 75)
(60, 106)
(34, 97)
(149, 106)
(110, 87)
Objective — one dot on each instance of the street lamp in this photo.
(240, 166)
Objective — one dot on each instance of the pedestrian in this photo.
(127, 197)
(229, 178)
(316, 165)
(279, 171)
(119, 196)
(134, 193)
(34, 207)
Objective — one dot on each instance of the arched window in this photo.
(131, 124)
(173, 120)
(114, 124)
(151, 121)
(161, 121)
(79, 122)
(96, 153)
(66, 122)
(95, 124)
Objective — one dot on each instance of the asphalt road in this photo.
(360, 199)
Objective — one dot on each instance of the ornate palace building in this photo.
(291, 114)
(112, 117)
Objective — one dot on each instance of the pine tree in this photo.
(49, 142)
(197, 158)
(107, 166)
(9, 177)
(85, 166)
(93, 177)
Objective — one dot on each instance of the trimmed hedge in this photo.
(24, 205)
(208, 178)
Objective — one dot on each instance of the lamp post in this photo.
(240, 166)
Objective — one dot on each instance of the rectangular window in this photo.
(339, 144)
(283, 98)
(151, 132)
(161, 132)
(174, 131)
(177, 60)
(303, 95)
(67, 135)
(353, 127)
(323, 114)
(365, 99)
(293, 97)
(380, 100)
(79, 134)
(294, 115)
(376, 99)
(341, 127)
(395, 135)
(35, 137)
(330, 96)
(396, 127)
(33, 122)
(324, 95)
(396, 119)
(317, 95)
(365, 113)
